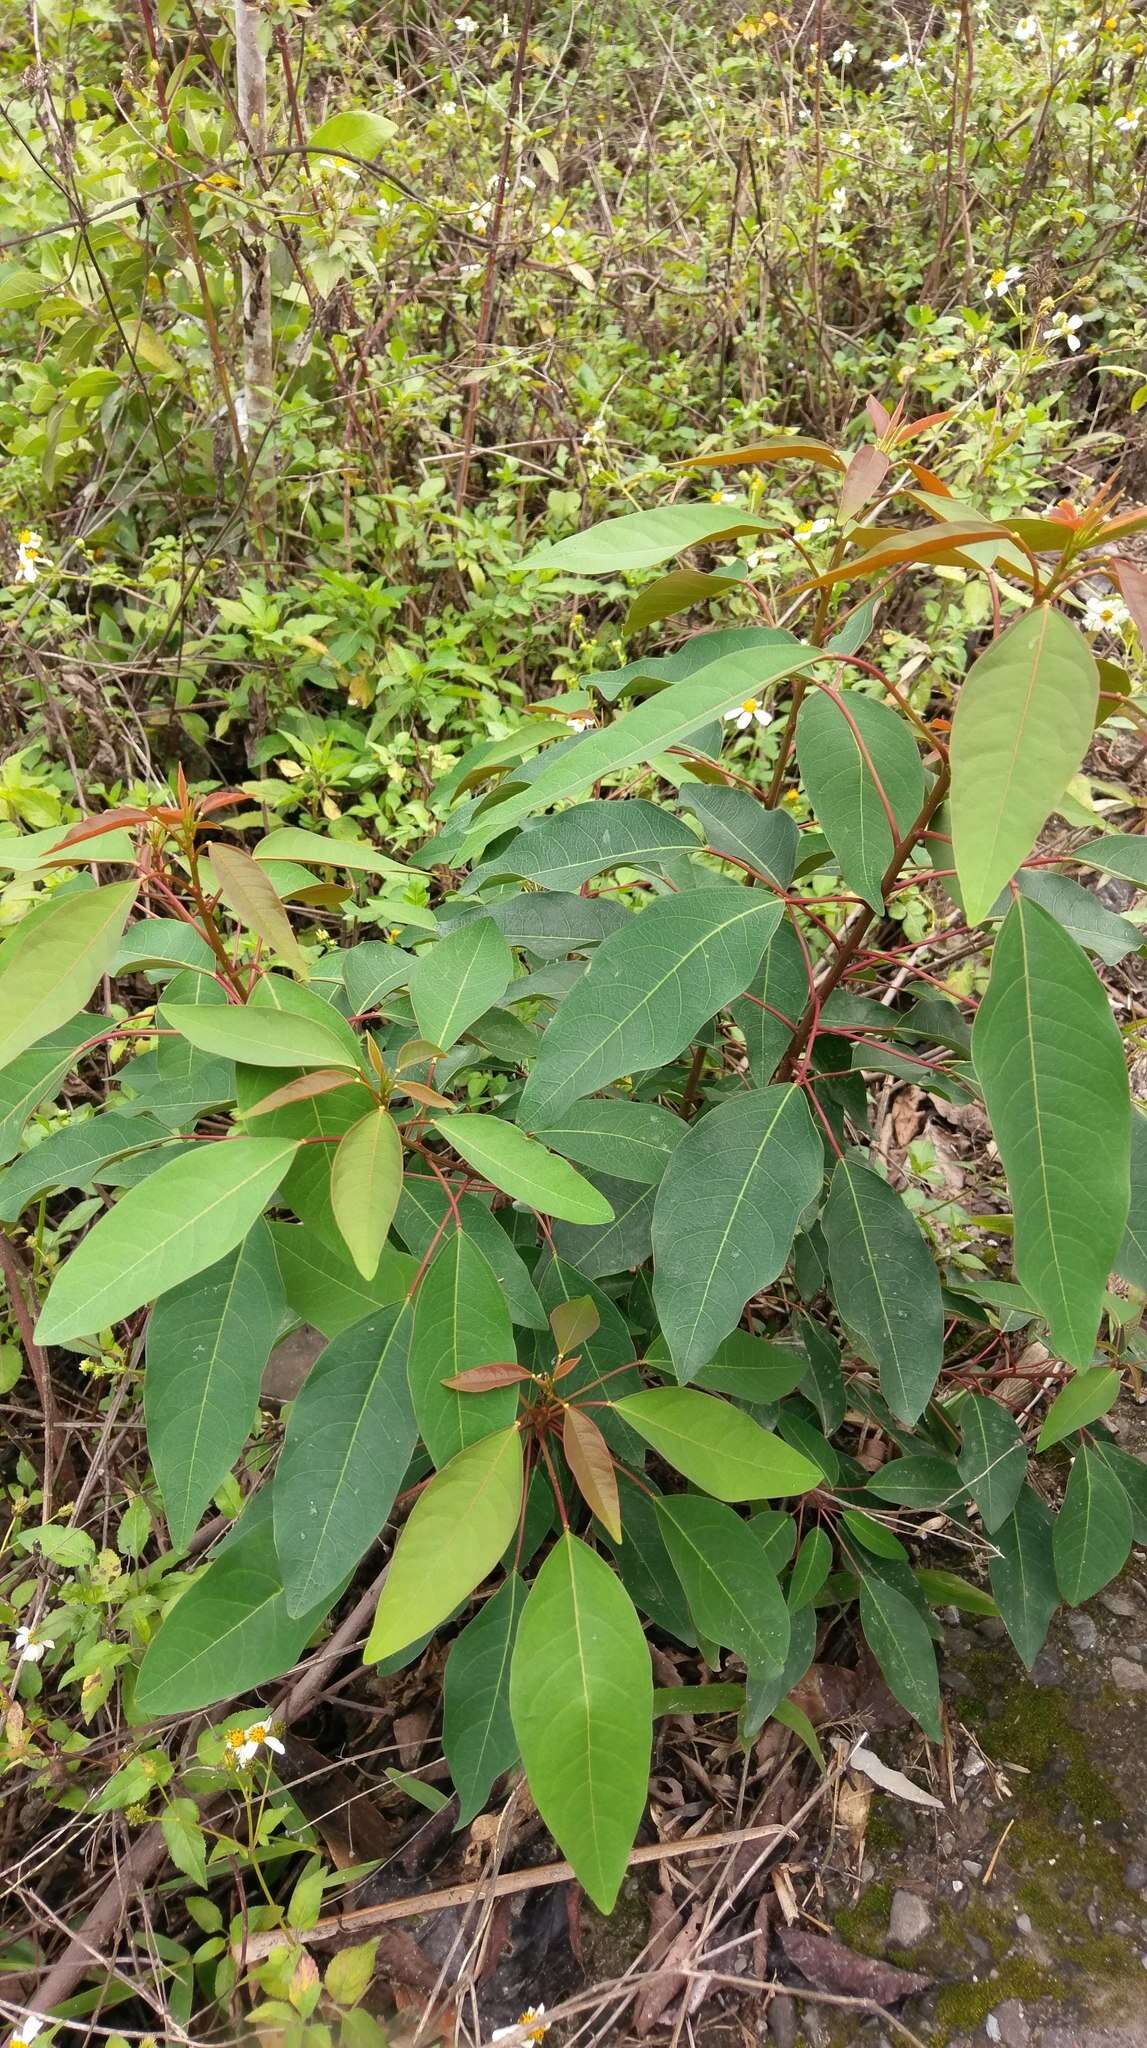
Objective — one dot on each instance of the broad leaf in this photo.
(899, 1640)
(640, 540)
(1117, 853)
(457, 978)
(522, 1167)
(208, 1341)
(259, 1037)
(249, 893)
(1050, 1060)
(735, 822)
(564, 852)
(456, 1532)
(477, 1731)
(1086, 1397)
(771, 1008)
(1092, 926)
(175, 1224)
(581, 1696)
(716, 1446)
(72, 1156)
(993, 1458)
(1023, 1574)
(1131, 1259)
(726, 1214)
(678, 592)
(292, 842)
(54, 959)
(1092, 1536)
(424, 1214)
(366, 1177)
(461, 1320)
(1023, 723)
(884, 1284)
(350, 1437)
(619, 1246)
(326, 1289)
(646, 992)
(631, 1141)
(842, 789)
(752, 1369)
(355, 133)
(734, 1598)
(921, 1480)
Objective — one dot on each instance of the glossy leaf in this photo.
(726, 1214)
(842, 789)
(885, 1284)
(1023, 723)
(457, 978)
(208, 1341)
(1086, 1397)
(248, 891)
(718, 1447)
(1050, 1060)
(646, 992)
(588, 1456)
(581, 1697)
(477, 1730)
(993, 1458)
(461, 1320)
(522, 1167)
(176, 1223)
(899, 1640)
(53, 960)
(259, 1037)
(455, 1534)
(1092, 1536)
(811, 1569)
(1023, 1574)
(588, 839)
(366, 1177)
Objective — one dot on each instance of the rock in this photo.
(1048, 1667)
(910, 1919)
(1023, 1923)
(991, 1629)
(1135, 1876)
(1119, 1603)
(1014, 2029)
(1084, 1631)
(1127, 1676)
(992, 2027)
(783, 2022)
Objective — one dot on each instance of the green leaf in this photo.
(1049, 1057)
(922, 1480)
(726, 1214)
(734, 1598)
(1023, 1574)
(660, 722)
(259, 1037)
(35, 1076)
(455, 1534)
(173, 1225)
(461, 1320)
(366, 1177)
(678, 592)
(522, 1167)
(840, 784)
(993, 1458)
(640, 540)
(325, 1288)
(899, 1640)
(72, 1156)
(291, 842)
(647, 991)
(697, 1699)
(619, 1246)
(631, 1141)
(53, 961)
(948, 1589)
(812, 1567)
(771, 1008)
(457, 978)
(884, 1284)
(357, 132)
(564, 852)
(185, 1839)
(581, 1697)
(736, 822)
(248, 892)
(1131, 1260)
(1092, 926)
(229, 1632)
(1092, 1536)
(1087, 1396)
(1023, 723)
(1131, 1473)
(752, 1369)
(718, 1447)
(208, 1341)
(350, 1973)
(350, 1437)
(1117, 853)
(477, 1731)
(424, 1213)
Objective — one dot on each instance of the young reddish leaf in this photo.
(300, 1089)
(914, 427)
(478, 1379)
(429, 1097)
(416, 1053)
(249, 893)
(108, 821)
(863, 478)
(1133, 590)
(574, 1322)
(918, 544)
(588, 1457)
(797, 447)
(877, 413)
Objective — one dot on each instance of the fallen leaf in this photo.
(882, 1774)
(829, 1966)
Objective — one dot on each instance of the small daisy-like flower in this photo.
(465, 25)
(1105, 615)
(1128, 123)
(26, 2032)
(844, 53)
(1027, 29)
(530, 2026)
(838, 203)
(448, 109)
(1067, 45)
(555, 231)
(756, 557)
(29, 548)
(895, 63)
(581, 721)
(29, 1646)
(1065, 327)
(751, 712)
(846, 139)
(244, 1744)
(1001, 281)
(480, 216)
(811, 529)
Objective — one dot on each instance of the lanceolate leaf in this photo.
(522, 1167)
(1050, 1059)
(249, 892)
(640, 540)
(588, 1457)
(734, 1598)
(477, 1731)
(619, 1246)
(366, 1177)
(726, 1214)
(771, 1008)
(424, 1216)
(564, 852)
(899, 1640)
(29, 1080)
(1131, 1262)
(993, 1458)
(1092, 1534)
(52, 962)
(648, 989)
(461, 1320)
(631, 1141)
(736, 822)
(1023, 723)
(258, 1036)
(457, 978)
(581, 1696)
(72, 1156)
(885, 1284)
(1086, 1397)
(1023, 1574)
(325, 1288)
(716, 1446)
(207, 1344)
(176, 1223)
(350, 1437)
(455, 1534)
(841, 787)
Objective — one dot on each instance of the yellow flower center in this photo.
(236, 1737)
(749, 707)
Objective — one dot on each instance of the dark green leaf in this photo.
(1023, 1575)
(424, 1213)
(884, 1284)
(734, 1597)
(564, 852)
(993, 1459)
(477, 1731)
(618, 1246)
(841, 787)
(72, 1156)
(736, 822)
(1086, 1396)
(324, 1288)
(900, 1642)
(631, 1141)
(457, 978)
(1131, 1260)
(1092, 1536)
(770, 1010)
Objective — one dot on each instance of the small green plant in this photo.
(576, 1171)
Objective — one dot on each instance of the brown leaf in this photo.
(321, 1081)
(589, 1459)
(660, 1991)
(829, 1966)
(478, 1379)
(863, 478)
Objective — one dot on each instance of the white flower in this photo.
(844, 53)
(479, 216)
(1001, 281)
(27, 2031)
(555, 230)
(581, 721)
(751, 712)
(895, 63)
(1105, 615)
(30, 1646)
(244, 1744)
(838, 203)
(1065, 327)
(756, 556)
(1067, 45)
(505, 24)
(29, 547)
(845, 139)
(1027, 30)
(448, 109)
(810, 529)
(531, 2026)
(1128, 123)
(465, 25)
